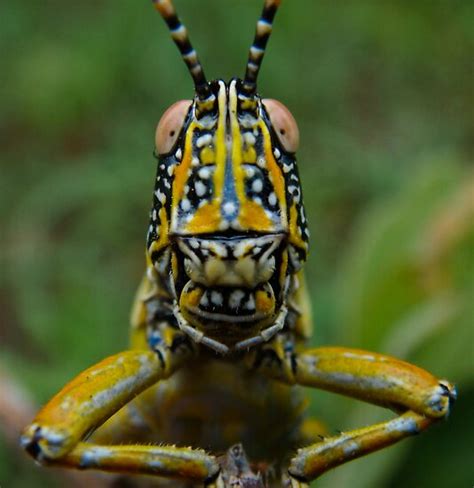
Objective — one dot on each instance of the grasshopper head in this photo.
(227, 224)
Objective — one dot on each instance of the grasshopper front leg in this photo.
(419, 397)
(57, 433)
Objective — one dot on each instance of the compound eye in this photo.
(170, 126)
(284, 124)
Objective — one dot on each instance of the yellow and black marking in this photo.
(180, 36)
(257, 50)
(223, 194)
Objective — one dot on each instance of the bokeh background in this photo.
(383, 95)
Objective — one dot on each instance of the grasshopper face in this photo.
(228, 230)
(227, 223)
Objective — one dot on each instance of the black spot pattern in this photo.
(161, 196)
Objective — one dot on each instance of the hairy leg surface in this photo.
(419, 397)
(57, 433)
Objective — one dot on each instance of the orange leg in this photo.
(56, 434)
(418, 396)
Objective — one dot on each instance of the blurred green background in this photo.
(383, 95)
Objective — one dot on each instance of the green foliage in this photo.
(405, 288)
(381, 92)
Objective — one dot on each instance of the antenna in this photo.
(257, 50)
(180, 36)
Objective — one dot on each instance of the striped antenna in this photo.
(257, 50)
(180, 36)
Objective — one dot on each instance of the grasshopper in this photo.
(221, 318)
